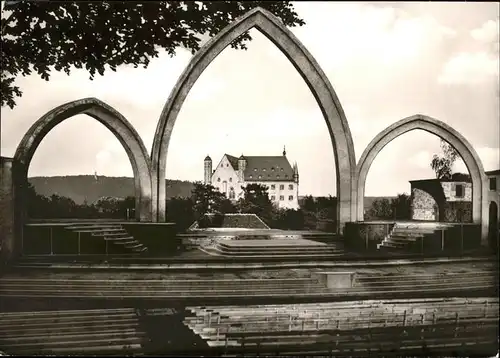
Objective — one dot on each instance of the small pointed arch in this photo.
(304, 63)
(447, 133)
(111, 119)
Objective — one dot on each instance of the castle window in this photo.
(273, 197)
(268, 175)
(230, 180)
(250, 176)
(281, 169)
(277, 176)
(493, 183)
(273, 187)
(290, 186)
(272, 169)
(282, 187)
(227, 165)
(218, 179)
(260, 176)
(254, 169)
(286, 176)
(459, 191)
(282, 197)
(263, 169)
(290, 197)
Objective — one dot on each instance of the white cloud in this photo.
(422, 159)
(358, 32)
(487, 33)
(469, 68)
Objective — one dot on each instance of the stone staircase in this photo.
(117, 239)
(406, 237)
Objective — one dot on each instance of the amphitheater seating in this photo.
(213, 287)
(116, 239)
(346, 326)
(99, 331)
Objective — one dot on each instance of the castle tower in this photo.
(296, 173)
(242, 165)
(208, 170)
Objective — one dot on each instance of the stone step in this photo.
(116, 349)
(119, 238)
(11, 322)
(113, 234)
(26, 330)
(62, 336)
(83, 341)
(93, 227)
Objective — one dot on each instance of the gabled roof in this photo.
(233, 161)
(493, 172)
(264, 168)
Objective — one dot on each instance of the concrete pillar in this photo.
(7, 236)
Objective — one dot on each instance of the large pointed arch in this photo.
(304, 63)
(450, 135)
(111, 119)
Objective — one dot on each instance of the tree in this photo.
(256, 201)
(381, 209)
(443, 165)
(401, 207)
(180, 211)
(207, 200)
(309, 204)
(43, 36)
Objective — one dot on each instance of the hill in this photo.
(83, 188)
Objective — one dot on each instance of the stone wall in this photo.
(6, 209)
(458, 211)
(449, 189)
(423, 206)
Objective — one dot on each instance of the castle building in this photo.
(274, 172)
(450, 200)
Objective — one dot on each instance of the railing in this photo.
(55, 240)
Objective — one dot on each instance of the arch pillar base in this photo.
(7, 225)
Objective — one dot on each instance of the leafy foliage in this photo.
(58, 207)
(42, 36)
(208, 200)
(398, 208)
(256, 201)
(443, 165)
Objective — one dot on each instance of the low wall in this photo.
(365, 235)
(51, 238)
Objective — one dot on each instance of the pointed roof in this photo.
(208, 158)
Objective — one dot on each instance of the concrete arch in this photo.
(111, 119)
(310, 71)
(444, 131)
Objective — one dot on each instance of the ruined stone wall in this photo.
(423, 206)
(449, 189)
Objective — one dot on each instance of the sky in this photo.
(386, 61)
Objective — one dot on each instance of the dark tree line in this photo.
(61, 207)
(398, 208)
